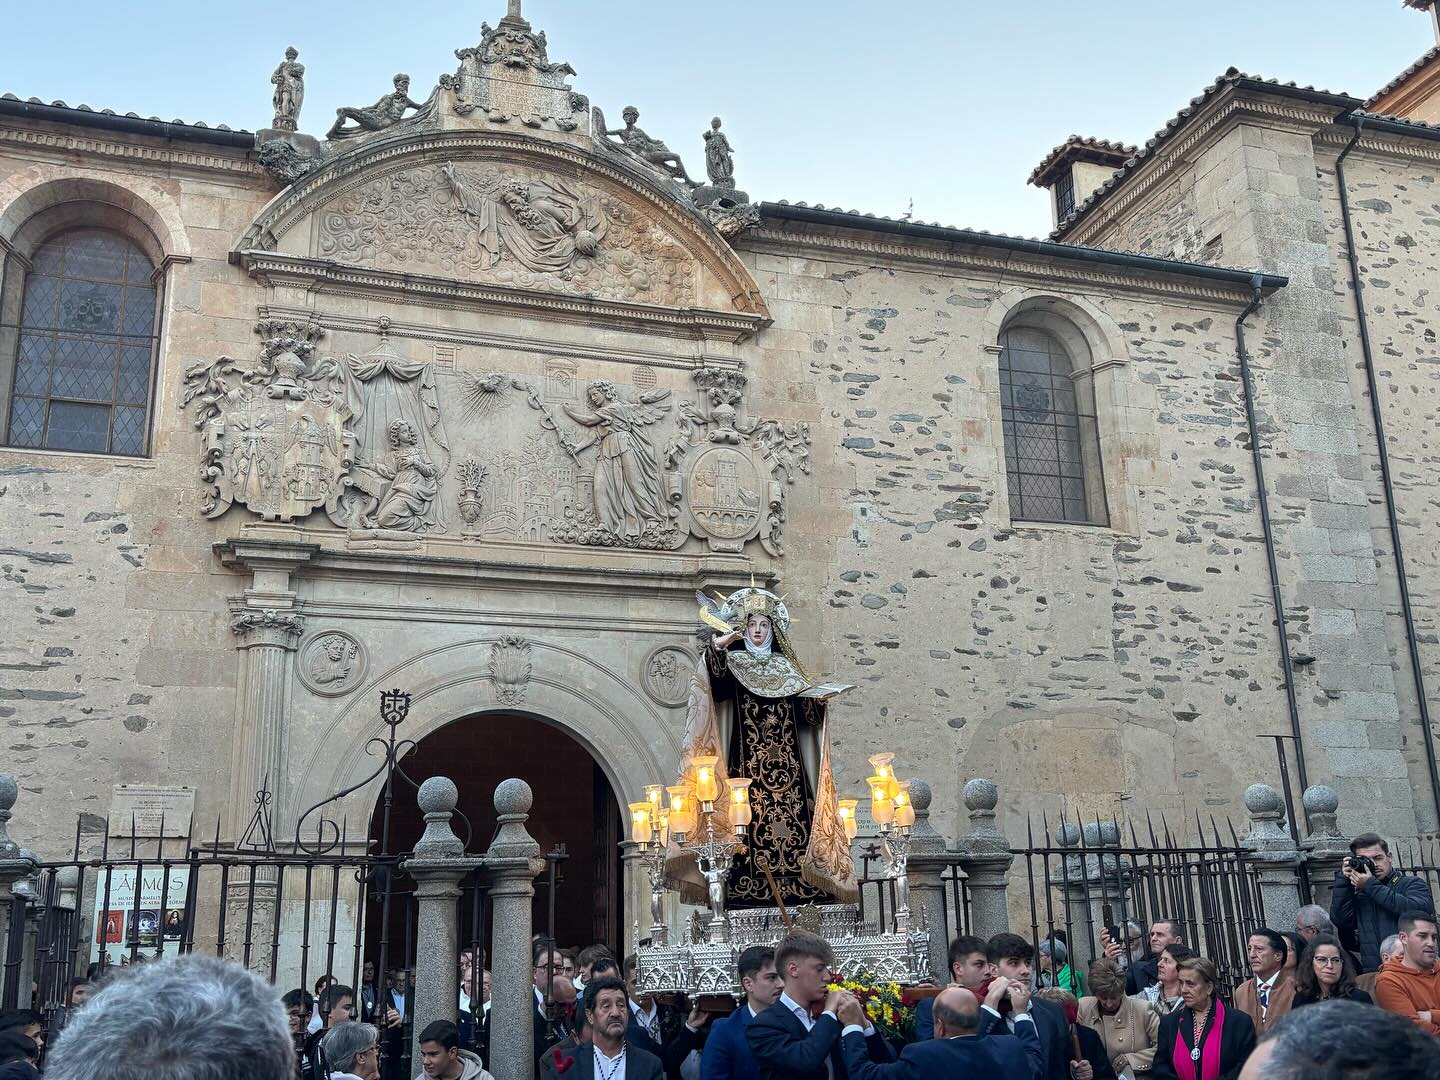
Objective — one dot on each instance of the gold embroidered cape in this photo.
(769, 690)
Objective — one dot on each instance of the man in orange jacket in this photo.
(1409, 985)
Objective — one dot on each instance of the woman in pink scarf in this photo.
(1202, 1040)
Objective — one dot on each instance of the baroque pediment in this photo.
(492, 208)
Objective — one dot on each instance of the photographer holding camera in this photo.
(1370, 895)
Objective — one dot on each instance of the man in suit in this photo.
(956, 1050)
(1270, 992)
(1012, 957)
(787, 1042)
(727, 1054)
(607, 1055)
(969, 967)
(646, 1031)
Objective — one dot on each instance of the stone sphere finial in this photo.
(67, 877)
(1263, 799)
(438, 795)
(920, 795)
(513, 796)
(9, 791)
(1067, 835)
(1320, 799)
(981, 794)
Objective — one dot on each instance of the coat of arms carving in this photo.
(275, 435)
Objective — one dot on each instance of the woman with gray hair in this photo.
(1055, 967)
(352, 1052)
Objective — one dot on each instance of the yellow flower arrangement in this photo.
(884, 1005)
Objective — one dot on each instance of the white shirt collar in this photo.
(642, 1013)
(793, 1005)
(1267, 984)
(753, 1013)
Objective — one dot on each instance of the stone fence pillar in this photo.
(1095, 885)
(16, 864)
(513, 861)
(437, 867)
(926, 868)
(1326, 846)
(984, 855)
(1277, 858)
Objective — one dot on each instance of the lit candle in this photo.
(682, 813)
(640, 822)
(740, 814)
(904, 809)
(847, 817)
(707, 786)
(881, 764)
(655, 795)
(882, 805)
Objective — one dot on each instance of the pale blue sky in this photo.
(861, 105)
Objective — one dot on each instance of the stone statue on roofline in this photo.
(720, 196)
(289, 80)
(634, 141)
(386, 112)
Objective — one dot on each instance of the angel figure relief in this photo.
(629, 500)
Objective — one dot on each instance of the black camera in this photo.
(1363, 864)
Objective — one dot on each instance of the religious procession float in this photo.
(754, 830)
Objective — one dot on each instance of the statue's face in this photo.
(402, 83)
(597, 396)
(757, 629)
(402, 434)
(630, 115)
(291, 54)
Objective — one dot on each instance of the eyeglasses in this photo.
(1329, 961)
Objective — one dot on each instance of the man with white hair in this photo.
(351, 1052)
(1313, 920)
(182, 1018)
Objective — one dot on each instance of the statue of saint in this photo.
(408, 503)
(719, 157)
(753, 707)
(651, 151)
(627, 475)
(385, 112)
(289, 80)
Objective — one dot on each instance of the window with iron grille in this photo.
(1052, 451)
(1064, 195)
(84, 364)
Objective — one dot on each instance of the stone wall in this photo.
(1254, 200)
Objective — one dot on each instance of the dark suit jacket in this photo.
(672, 1054)
(784, 1050)
(1140, 974)
(1236, 1043)
(727, 1054)
(639, 1065)
(1018, 1058)
(1054, 1035)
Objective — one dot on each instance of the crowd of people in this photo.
(1350, 992)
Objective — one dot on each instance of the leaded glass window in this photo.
(1052, 458)
(83, 370)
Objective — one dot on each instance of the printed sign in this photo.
(141, 808)
(139, 906)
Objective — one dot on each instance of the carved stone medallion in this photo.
(331, 663)
(726, 495)
(666, 675)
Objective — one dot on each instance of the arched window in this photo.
(84, 358)
(1052, 449)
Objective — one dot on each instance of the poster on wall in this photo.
(139, 906)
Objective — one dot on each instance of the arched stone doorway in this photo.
(575, 807)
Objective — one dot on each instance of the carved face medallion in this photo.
(331, 663)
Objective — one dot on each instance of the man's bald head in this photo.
(957, 1012)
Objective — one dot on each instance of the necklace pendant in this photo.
(1195, 1054)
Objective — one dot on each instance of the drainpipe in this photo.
(1406, 610)
(1287, 669)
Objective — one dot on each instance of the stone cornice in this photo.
(490, 339)
(322, 276)
(987, 263)
(349, 170)
(1227, 109)
(174, 156)
(1387, 143)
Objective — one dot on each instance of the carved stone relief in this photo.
(275, 433)
(510, 669)
(509, 227)
(331, 663)
(666, 675)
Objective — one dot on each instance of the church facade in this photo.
(471, 397)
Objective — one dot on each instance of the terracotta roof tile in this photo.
(83, 108)
(1101, 147)
(1404, 76)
